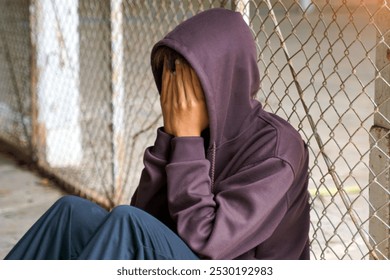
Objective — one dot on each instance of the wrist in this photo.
(167, 130)
(187, 133)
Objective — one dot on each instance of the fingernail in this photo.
(177, 61)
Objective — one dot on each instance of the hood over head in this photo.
(219, 46)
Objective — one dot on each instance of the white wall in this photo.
(58, 80)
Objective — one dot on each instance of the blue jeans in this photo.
(75, 228)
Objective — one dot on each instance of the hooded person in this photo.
(224, 179)
(242, 193)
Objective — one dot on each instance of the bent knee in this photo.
(71, 201)
(123, 210)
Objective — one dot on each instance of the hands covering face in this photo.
(182, 101)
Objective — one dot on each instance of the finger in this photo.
(174, 92)
(165, 81)
(187, 82)
(198, 90)
(180, 87)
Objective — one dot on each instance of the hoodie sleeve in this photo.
(151, 193)
(245, 210)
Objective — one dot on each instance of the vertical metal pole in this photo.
(38, 139)
(33, 85)
(118, 99)
(243, 6)
(379, 192)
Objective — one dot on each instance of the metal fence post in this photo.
(243, 6)
(37, 134)
(379, 192)
(118, 99)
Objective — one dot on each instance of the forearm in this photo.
(153, 176)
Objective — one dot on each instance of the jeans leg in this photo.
(62, 232)
(130, 233)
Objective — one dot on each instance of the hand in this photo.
(182, 101)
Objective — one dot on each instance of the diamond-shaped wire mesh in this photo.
(77, 94)
(15, 98)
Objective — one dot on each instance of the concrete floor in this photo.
(24, 197)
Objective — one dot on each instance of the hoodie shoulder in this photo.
(288, 143)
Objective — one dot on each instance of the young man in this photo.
(224, 180)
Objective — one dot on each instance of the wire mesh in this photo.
(77, 94)
(320, 74)
(15, 98)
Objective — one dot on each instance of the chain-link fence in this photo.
(77, 97)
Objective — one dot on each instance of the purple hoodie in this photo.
(241, 192)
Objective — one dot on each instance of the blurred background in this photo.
(78, 101)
